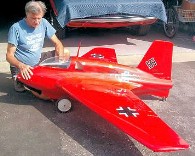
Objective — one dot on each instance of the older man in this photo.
(25, 42)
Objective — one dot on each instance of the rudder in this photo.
(158, 59)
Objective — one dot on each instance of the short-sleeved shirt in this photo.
(29, 41)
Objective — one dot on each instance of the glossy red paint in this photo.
(88, 24)
(112, 90)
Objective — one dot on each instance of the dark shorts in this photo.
(44, 55)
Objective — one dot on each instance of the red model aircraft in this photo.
(112, 90)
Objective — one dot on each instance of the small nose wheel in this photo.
(63, 105)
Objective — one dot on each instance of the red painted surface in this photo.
(90, 24)
(108, 24)
(107, 88)
(53, 7)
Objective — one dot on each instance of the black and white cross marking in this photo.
(127, 111)
(151, 63)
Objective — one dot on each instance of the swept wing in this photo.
(123, 109)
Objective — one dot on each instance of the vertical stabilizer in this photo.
(158, 59)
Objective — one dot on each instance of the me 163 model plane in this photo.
(114, 91)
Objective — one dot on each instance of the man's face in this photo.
(33, 20)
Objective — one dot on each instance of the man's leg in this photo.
(18, 86)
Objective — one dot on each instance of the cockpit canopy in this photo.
(56, 62)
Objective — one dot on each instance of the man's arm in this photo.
(24, 69)
(10, 55)
(59, 48)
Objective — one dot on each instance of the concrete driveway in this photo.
(32, 127)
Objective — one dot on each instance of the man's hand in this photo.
(26, 71)
(64, 56)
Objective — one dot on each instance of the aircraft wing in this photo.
(126, 111)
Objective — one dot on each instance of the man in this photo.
(26, 39)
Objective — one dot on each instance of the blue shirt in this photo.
(29, 41)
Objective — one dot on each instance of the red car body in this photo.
(64, 14)
(109, 22)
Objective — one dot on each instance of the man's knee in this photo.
(14, 71)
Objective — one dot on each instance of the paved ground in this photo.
(32, 127)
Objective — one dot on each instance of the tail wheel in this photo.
(63, 105)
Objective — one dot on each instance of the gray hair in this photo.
(35, 7)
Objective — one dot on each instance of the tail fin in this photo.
(158, 59)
